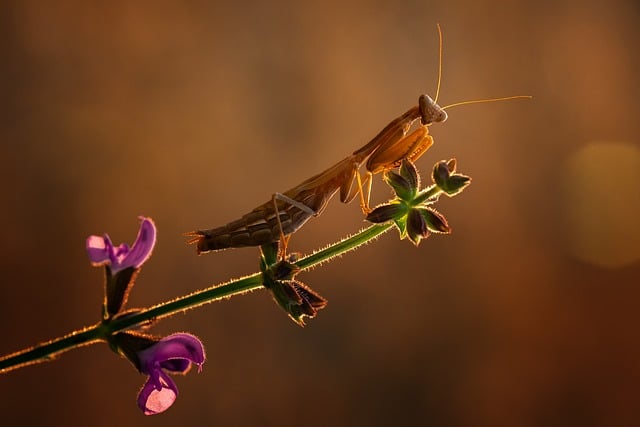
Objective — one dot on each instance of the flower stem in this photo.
(243, 285)
(50, 350)
(353, 242)
(101, 331)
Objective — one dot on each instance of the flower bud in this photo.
(440, 174)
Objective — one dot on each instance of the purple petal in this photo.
(101, 250)
(154, 399)
(180, 346)
(174, 353)
(142, 247)
(176, 365)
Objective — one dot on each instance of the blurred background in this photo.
(195, 112)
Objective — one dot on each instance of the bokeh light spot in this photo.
(601, 203)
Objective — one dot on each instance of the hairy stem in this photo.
(99, 332)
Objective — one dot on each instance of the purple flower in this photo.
(175, 354)
(101, 251)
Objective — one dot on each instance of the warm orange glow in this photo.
(601, 203)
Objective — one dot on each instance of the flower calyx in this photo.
(412, 209)
(294, 297)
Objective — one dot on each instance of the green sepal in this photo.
(416, 227)
(435, 221)
(117, 288)
(401, 186)
(296, 299)
(273, 270)
(308, 304)
(449, 182)
(129, 344)
(401, 225)
(456, 184)
(269, 254)
(440, 175)
(409, 172)
(451, 165)
(387, 212)
(284, 270)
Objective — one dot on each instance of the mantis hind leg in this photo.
(365, 195)
(362, 189)
(284, 239)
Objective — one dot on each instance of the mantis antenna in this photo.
(475, 101)
(480, 101)
(439, 61)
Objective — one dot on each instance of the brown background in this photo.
(195, 112)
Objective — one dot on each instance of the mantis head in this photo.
(430, 111)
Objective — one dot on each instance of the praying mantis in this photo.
(277, 219)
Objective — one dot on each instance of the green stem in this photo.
(101, 331)
(49, 350)
(363, 236)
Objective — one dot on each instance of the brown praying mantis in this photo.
(278, 218)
